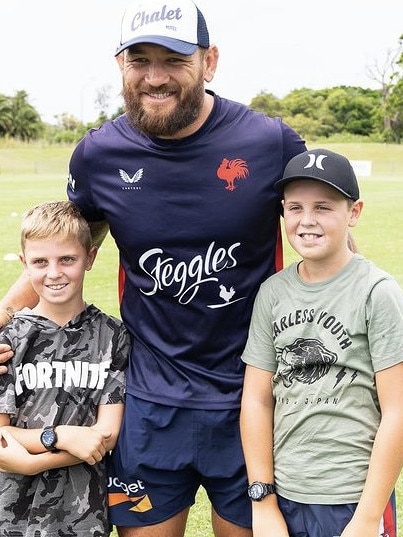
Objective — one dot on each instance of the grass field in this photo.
(33, 173)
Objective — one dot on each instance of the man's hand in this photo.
(5, 354)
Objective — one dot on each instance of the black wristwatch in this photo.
(258, 490)
(49, 438)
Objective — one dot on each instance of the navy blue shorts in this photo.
(164, 454)
(310, 520)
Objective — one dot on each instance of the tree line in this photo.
(342, 112)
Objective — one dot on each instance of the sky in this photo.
(61, 52)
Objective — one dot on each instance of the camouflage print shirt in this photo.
(59, 375)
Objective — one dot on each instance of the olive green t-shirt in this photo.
(325, 341)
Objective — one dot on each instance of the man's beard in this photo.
(165, 124)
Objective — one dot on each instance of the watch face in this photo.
(256, 491)
(48, 438)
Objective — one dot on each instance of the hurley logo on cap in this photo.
(322, 165)
(315, 160)
(177, 25)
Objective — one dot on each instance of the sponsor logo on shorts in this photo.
(139, 502)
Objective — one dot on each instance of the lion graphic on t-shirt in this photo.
(305, 360)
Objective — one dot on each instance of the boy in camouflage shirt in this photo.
(61, 401)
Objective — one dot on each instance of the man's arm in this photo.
(99, 231)
(21, 294)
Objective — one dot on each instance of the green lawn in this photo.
(33, 173)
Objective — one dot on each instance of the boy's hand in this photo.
(356, 527)
(86, 443)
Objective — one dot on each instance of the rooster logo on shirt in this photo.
(230, 170)
(226, 294)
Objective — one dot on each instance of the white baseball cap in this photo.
(178, 25)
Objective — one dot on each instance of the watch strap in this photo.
(269, 488)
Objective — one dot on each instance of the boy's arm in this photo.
(29, 438)
(387, 456)
(256, 423)
(15, 458)
(25, 453)
(86, 443)
(109, 420)
(106, 429)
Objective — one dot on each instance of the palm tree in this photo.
(27, 124)
(6, 116)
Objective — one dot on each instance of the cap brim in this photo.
(181, 47)
(281, 184)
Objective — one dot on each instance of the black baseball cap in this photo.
(322, 165)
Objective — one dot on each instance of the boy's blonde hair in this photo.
(61, 218)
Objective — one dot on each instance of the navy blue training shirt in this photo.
(196, 221)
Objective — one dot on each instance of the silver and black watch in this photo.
(258, 490)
